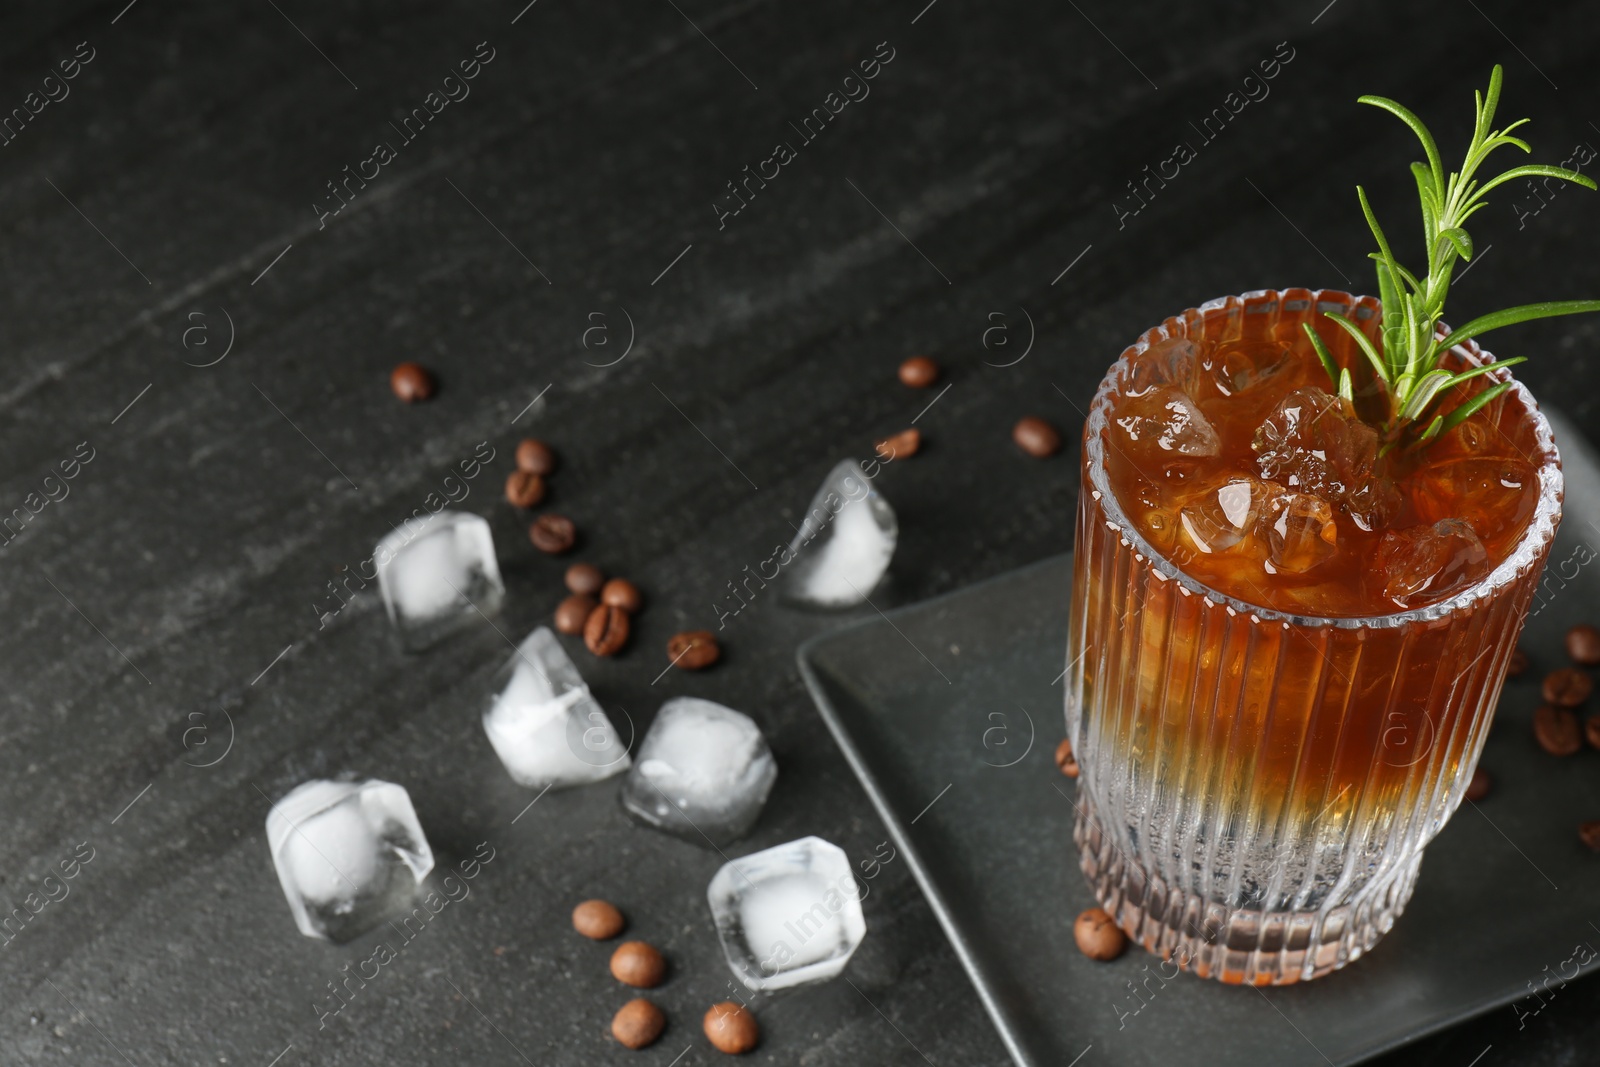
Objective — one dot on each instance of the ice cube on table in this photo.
(437, 572)
(704, 772)
(788, 915)
(1161, 424)
(545, 725)
(1430, 561)
(843, 547)
(348, 854)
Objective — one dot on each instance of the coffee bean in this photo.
(1567, 687)
(1591, 731)
(585, 579)
(535, 457)
(1583, 644)
(1480, 785)
(1036, 437)
(1557, 730)
(554, 534)
(693, 650)
(638, 1023)
(919, 372)
(606, 630)
(1518, 664)
(902, 445)
(411, 382)
(572, 614)
(621, 593)
(731, 1028)
(524, 490)
(1097, 936)
(1065, 759)
(637, 963)
(598, 920)
(1589, 834)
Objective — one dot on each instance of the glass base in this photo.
(1235, 945)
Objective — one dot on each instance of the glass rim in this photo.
(1535, 540)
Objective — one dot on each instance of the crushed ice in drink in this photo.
(788, 915)
(843, 547)
(704, 772)
(347, 854)
(1163, 423)
(1238, 367)
(437, 572)
(1169, 362)
(1308, 443)
(545, 725)
(1301, 532)
(1432, 561)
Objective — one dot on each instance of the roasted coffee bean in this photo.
(585, 579)
(637, 963)
(638, 1023)
(1097, 936)
(902, 445)
(1567, 687)
(554, 534)
(1557, 730)
(1583, 644)
(1518, 664)
(411, 382)
(524, 490)
(621, 593)
(606, 630)
(535, 457)
(1065, 759)
(598, 920)
(919, 372)
(694, 650)
(1591, 731)
(731, 1028)
(1589, 834)
(572, 614)
(1480, 785)
(1036, 437)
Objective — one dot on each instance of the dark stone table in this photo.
(230, 222)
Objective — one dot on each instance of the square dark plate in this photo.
(949, 711)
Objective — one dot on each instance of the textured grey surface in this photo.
(199, 540)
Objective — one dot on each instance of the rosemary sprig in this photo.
(1407, 364)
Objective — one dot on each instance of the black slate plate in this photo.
(949, 712)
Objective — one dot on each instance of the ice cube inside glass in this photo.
(789, 915)
(437, 572)
(703, 772)
(348, 855)
(545, 725)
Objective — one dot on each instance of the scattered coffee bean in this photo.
(572, 614)
(694, 650)
(1518, 664)
(1036, 437)
(585, 579)
(1557, 730)
(598, 920)
(731, 1028)
(621, 593)
(902, 445)
(1480, 785)
(919, 372)
(1583, 645)
(1589, 834)
(1567, 687)
(1591, 731)
(606, 630)
(554, 534)
(535, 457)
(524, 490)
(411, 382)
(1065, 759)
(638, 964)
(638, 1023)
(1097, 936)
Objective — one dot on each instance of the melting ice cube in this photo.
(788, 915)
(1301, 532)
(1223, 514)
(544, 724)
(704, 771)
(347, 854)
(845, 543)
(436, 572)
(1242, 365)
(1430, 561)
(1163, 423)
(1169, 362)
